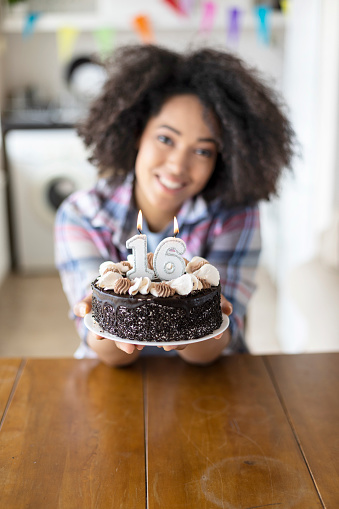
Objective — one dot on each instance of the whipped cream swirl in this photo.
(199, 274)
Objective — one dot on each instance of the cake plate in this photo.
(94, 327)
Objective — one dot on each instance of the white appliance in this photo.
(4, 240)
(45, 166)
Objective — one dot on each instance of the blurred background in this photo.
(50, 55)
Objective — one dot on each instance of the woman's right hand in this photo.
(83, 307)
(105, 345)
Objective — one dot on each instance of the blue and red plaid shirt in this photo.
(93, 226)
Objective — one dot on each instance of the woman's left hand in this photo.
(226, 308)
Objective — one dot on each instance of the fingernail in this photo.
(83, 309)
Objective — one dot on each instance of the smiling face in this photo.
(176, 157)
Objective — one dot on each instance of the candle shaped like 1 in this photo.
(138, 244)
(168, 262)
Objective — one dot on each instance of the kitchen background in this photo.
(49, 53)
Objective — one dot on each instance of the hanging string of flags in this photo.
(142, 25)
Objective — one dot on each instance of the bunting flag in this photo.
(233, 26)
(263, 20)
(142, 25)
(30, 22)
(104, 38)
(176, 5)
(285, 6)
(186, 6)
(208, 15)
(66, 38)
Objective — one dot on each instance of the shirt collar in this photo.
(193, 211)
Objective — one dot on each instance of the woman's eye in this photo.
(165, 139)
(203, 152)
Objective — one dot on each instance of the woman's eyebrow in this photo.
(171, 129)
(211, 140)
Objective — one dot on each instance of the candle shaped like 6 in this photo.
(138, 244)
(168, 262)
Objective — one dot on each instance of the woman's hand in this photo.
(106, 348)
(83, 307)
(226, 308)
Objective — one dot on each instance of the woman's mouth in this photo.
(172, 185)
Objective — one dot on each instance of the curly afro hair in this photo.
(254, 136)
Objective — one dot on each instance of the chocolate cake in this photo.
(143, 310)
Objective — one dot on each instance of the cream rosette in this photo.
(195, 264)
(197, 285)
(183, 285)
(140, 285)
(123, 267)
(209, 273)
(161, 289)
(106, 266)
(110, 266)
(107, 280)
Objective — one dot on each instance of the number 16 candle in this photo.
(167, 261)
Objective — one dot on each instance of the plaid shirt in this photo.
(93, 226)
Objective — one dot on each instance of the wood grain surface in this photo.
(218, 437)
(9, 369)
(309, 388)
(245, 433)
(74, 437)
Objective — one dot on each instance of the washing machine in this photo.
(44, 166)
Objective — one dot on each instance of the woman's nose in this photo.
(178, 161)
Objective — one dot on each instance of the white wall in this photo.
(296, 227)
(307, 201)
(328, 107)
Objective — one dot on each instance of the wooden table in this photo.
(247, 432)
